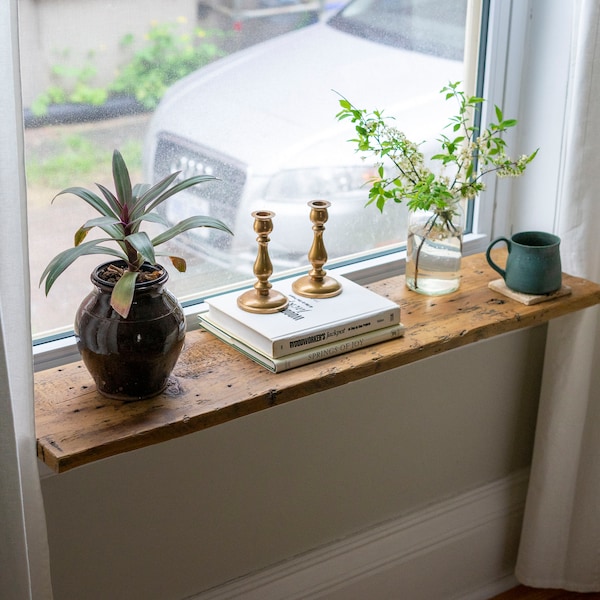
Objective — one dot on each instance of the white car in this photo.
(263, 121)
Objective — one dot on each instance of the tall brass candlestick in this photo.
(317, 284)
(263, 298)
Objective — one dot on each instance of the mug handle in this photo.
(489, 258)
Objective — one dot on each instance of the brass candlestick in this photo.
(263, 299)
(317, 284)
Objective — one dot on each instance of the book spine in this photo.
(334, 349)
(335, 333)
(276, 365)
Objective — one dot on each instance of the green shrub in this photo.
(72, 84)
(168, 55)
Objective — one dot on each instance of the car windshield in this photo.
(434, 27)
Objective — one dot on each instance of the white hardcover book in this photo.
(306, 322)
(304, 357)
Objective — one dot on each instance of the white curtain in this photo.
(560, 545)
(24, 561)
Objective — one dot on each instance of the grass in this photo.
(74, 159)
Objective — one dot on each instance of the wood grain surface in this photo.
(212, 383)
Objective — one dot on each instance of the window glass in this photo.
(252, 91)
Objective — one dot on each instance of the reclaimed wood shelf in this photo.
(213, 383)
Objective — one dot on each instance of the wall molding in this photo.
(462, 548)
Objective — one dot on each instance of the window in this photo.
(262, 119)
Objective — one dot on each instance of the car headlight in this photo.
(317, 182)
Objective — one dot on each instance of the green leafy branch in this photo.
(465, 157)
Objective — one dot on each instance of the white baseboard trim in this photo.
(461, 549)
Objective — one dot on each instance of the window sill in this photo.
(214, 384)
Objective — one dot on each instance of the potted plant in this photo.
(435, 196)
(130, 328)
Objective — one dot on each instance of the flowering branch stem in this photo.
(427, 231)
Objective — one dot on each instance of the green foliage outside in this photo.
(76, 153)
(166, 55)
(74, 85)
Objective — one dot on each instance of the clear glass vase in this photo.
(434, 250)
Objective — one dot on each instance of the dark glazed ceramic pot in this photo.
(132, 358)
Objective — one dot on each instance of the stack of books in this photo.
(308, 330)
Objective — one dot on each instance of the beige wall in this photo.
(173, 519)
(49, 27)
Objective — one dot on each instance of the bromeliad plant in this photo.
(466, 156)
(122, 214)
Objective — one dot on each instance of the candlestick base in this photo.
(255, 302)
(309, 287)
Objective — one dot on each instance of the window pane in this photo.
(261, 118)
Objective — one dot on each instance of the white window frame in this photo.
(492, 212)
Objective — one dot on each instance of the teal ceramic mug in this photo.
(533, 264)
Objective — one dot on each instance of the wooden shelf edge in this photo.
(214, 384)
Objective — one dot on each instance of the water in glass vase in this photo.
(433, 261)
